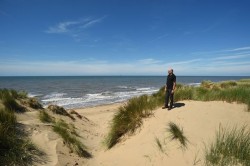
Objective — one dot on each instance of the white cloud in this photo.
(231, 57)
(225, 63)
(93, 22)
(74, 27)
(240, 49)
(84, 67)
(184, 62)
(62, 27)
(142, 67)
(149, 61)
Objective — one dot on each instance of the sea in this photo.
(88, 91)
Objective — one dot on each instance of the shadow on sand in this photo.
(178, 105)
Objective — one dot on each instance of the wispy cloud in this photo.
(184, 62)
(240, 49)
(237, 63)
(231, 57)
(160, 37)
(226, 63)
(223, 51)
(62, 27)
(74, 28)
(139, 67)
(149, 61)
(92, 22)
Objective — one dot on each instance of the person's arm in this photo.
(173, 87)
(174, 84)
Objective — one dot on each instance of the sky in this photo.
(124, 37)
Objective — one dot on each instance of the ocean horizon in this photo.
(87, 91)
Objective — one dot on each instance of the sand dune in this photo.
(199, 120)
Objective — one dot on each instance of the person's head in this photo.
(170, 71)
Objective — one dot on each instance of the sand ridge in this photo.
(199, 120)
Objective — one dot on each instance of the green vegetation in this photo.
(67, 132)
(70, 138)
(60, 110)
(13, 93)
(45, 117)
(129, 117)
(177, 133)
(34, 103)
(16, 101)
(244, 81)
(8, 99)
(229, 91)
(14, 148)
(231, 147)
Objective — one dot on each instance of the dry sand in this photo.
(200, 121)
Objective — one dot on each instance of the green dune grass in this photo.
(45, 117)
(231, 147)
(176, 133)
(15, 148)
(69, 136)
(67, 132)
(129, 117)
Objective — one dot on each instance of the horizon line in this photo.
(123, 75)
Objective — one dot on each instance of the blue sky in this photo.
(129, 37)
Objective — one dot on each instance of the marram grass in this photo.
(45, 117)
(231, 147)
(176, 133)
(67, 132)
(229, 91)
(8, 99)
(69, 137)
(14, 148)
(129, 117)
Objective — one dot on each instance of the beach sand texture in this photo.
(199, 120)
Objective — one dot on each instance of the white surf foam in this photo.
(94, 99)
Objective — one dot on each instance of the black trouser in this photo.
(170, 95)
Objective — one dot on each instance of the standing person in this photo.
(169, 89)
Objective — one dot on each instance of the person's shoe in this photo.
(169, 108)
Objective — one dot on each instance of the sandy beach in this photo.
(199, 120)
